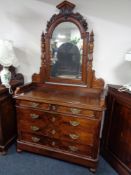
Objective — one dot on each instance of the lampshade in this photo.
(7, 55)
(128, 56)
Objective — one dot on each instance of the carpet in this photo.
(26, 163)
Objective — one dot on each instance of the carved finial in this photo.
(65, 7)
(92, 36)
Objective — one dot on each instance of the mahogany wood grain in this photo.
(117, 130)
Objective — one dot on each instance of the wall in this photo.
(23, 21)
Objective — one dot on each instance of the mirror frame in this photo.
(66, 14)
(66, 46)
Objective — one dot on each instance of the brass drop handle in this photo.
(74, 136)
(75, 111)
(34, 116)
(73, 148)
(35, 128)
(34, 105)
(52, 107)
(74, 123)
(35, 139)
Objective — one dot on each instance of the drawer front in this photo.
(57, 120)
(75, 148)
(75, 111)
(77, 136)
(56, 108)
(69, 128)
(34, 105)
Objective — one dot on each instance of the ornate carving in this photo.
(37, 77)
(90, 59)
(66, 10)
(81, 19)
(90, 48)
(66, 14)
(91, 45)
(52, 19)
(43, 59)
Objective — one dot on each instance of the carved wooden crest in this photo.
(66, 10)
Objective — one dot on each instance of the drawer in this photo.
(57, 108)
(80, 135)
(57, 120)
(37, 105)
(75, 111)
(75, 148)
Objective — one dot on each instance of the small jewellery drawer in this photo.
(31, 104)
(75, 111)
(70, 147)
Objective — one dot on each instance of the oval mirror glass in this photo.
(66, 51)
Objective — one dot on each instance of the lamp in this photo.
(7, 58)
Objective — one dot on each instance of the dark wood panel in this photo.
(117, 130)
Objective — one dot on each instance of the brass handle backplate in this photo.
(73, 148)
(74, 136)
(74, 123)
(35, 128)
(34, 105)
(75, 111)
(35, 139)
(34, 116)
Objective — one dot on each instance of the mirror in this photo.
(66, 51)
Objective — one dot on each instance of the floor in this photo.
(26, 163)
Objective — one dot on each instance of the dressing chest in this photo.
(59, 113)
